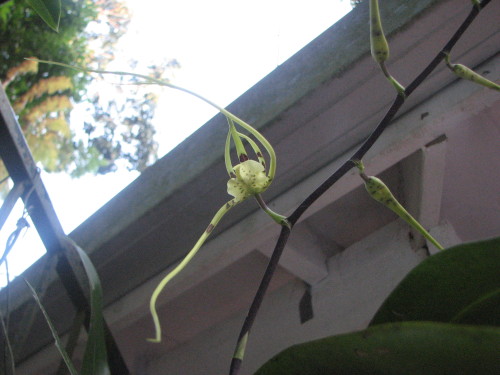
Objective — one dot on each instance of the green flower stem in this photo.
(398, 86)
(154, 297)
(280, 219)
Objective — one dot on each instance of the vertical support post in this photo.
(21, 166)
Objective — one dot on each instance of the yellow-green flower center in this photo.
(250, 179)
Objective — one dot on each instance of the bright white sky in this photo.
(224, 47)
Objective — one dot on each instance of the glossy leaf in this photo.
(95, 360)
(485, 310)
(444, 284)
(416, 348)
(48, 10)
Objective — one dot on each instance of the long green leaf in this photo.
(58, 342)
(95, 361)
(444, 284)
(48, 10)
(416, 348)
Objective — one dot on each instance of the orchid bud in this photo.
(378, 42)
(466, 73)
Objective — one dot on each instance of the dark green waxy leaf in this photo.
(48, 10)
(95, 361)
(416, 348)
(445, 284)
(485, 310)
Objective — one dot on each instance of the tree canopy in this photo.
(43, 95)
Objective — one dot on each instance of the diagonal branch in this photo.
(328, 183)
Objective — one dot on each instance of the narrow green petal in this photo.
(159, 288)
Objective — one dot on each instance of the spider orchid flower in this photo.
(248, 178)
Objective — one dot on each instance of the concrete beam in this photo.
(423, 175)
(304, 256)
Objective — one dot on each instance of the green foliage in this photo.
(23, 34)
(442, 318)
(484, 310)
(42, 102)
(49, 10)
(5, 10)
(95, 360)
(416, 348)
(43, 95)
(444, 284)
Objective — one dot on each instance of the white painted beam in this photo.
(423, 175)
(303, 256)
(446, 235)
